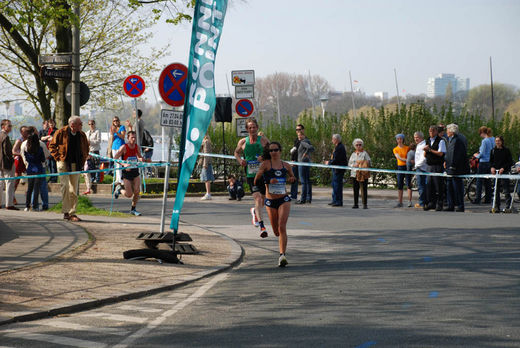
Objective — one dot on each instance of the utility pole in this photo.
(352, 93)
(397, 89)
(75, 96)
(311, 95)
(276, 77)
(492, 95)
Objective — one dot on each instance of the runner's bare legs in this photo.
(259, 204)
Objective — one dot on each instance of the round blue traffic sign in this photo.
(172, 84)
(244, 107)
(134, 86)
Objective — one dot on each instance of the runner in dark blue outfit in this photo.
(276, 174)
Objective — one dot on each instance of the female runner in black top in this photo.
(277, 174)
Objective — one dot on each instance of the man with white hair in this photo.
(339, 158)
(69, 147)
(456, 163)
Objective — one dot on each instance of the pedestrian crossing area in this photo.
(102, 327)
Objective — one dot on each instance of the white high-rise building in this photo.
(437, 86)
(381, 95)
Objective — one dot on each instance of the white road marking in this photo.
(162, 301)
(65, 341)
(139, 309)
(116, 317)
(61, 324)
(159, 320)
(179, 295)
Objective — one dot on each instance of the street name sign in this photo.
(65, 74)
(55, 59)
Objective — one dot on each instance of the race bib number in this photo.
(253, 167)
(278, 188)
(131, 159)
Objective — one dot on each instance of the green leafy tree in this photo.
(479, 99)
(111, 34)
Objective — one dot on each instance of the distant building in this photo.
(381, 95)
(15, 109)
(437, 86)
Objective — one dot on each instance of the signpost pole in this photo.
(224, 152)
(141, 173)
(166, 180)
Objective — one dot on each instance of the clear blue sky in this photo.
(420, 38)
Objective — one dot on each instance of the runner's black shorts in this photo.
(256, 188)
(130, 174)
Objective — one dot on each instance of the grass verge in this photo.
(85, 207)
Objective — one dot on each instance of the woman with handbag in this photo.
(34, 157)
(359, 159)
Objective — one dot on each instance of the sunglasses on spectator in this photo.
(274, 150)
(358, 145)
(298, 129)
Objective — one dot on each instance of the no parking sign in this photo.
(134, 86)
(244, 107)
(172, 84)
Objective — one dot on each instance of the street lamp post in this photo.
(323, 101)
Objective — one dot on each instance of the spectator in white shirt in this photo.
(420, 167)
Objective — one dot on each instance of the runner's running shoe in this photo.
(135, 212)
(254, 221)
(282, 261)
(263, 232)
(117, 191)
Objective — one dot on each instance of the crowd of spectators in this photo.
(444, 151)
(52, 151)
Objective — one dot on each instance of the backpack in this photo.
(147, 139)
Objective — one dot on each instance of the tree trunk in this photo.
(43, 98)
(64, 45)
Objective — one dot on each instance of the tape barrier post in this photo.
(112, 191)
(495, 193)
(513, 196)
(166, 181)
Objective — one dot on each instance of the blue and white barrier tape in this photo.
(379, 170)
(142, 165)
(307, 164)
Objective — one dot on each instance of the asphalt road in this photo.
(380, 277)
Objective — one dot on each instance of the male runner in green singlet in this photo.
(252, 147)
